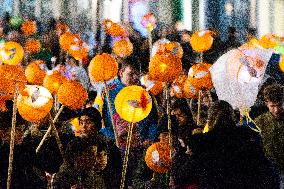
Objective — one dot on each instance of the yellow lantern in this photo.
(103, 68)
(133, 103)
(268, 41)
(34, 73)
(281, 64)
(158, 158)
(11, 53)
(164, 67)
(72, 94)
(35, 104)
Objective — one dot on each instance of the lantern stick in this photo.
(169, 118)
(125, 160)
(198, 108)
(201, 57)
(49, 129)
(12, 140)
(111, 114)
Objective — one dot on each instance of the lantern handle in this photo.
(12, 139)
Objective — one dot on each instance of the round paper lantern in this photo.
(149, 21)
(177, 87)
(68, 39)
(201, 76)
(190, 89)
(201, 41)
(159, 47)
(11, 53)
(158, 158)
(155, 87)
(16, 22)
(281, 64)
(34, 73)
(72, 94)
(79, 51)
(268, 41)
(114, 29)
(36, 104)
(164, 67)
(32, 46)
(28, 27)
(123, 48)
(133, 103)
(53, 81)
(7, 89)
(14, 74)
(175, 48)
(103, 68)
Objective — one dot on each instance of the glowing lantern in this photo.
(72, 94)
(53, 81)
(201, 41)
(155, 87)
(149, 21)
(7, 90)
(123, 48)
(164, 67)
(67, 39)
(175, 48)
(32, 46)
(11, 53)
(114, 29)
(75, 123)
(158, 158)
(281, 64)
(177, 87)
(35, 104)
(103, 68)
(133, 103)
(159, 47)
(34, 73)
(28, 28)
(79, 51)
(201, 76)
(268, 41)
(190, 89)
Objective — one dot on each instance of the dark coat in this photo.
(227, 158)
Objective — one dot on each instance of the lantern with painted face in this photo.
(114, 29)
(35, 73)
(164, 67)
(201, 41)
(190, 89)
(158, 157)
(11, 53)
(79, 50)
(35, 104)
(72, 94)
(155, 87)
(201, 76)
(133, 103)
(103, 67)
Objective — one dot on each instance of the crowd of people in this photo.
(229, 155)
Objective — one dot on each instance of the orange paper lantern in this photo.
(268, 41)
(36, 104)
(68, 39)
(201, 41)
(155, 87)
(72, 94)
(190, 89)
(123, 48)
(177, 87)
(34, 73)
(79, 51)
(28, 28)
(164, 67)
(175, 48)
(7, 89)
(201, 76)
(103, 68)
(11, 53)
(114, 29)
(133, 103)
(53, 81)
(32, 46)
(158, 158)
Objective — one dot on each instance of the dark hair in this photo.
(274, 93)
(94, 115)
(163, 125)
(221, 115)
(184, 108)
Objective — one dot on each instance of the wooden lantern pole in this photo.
(169, 118)
(125, 160)
(12, 139)
(50, 129)
(111, 114)
(198, 108)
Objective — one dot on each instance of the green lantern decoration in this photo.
(16, 22)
